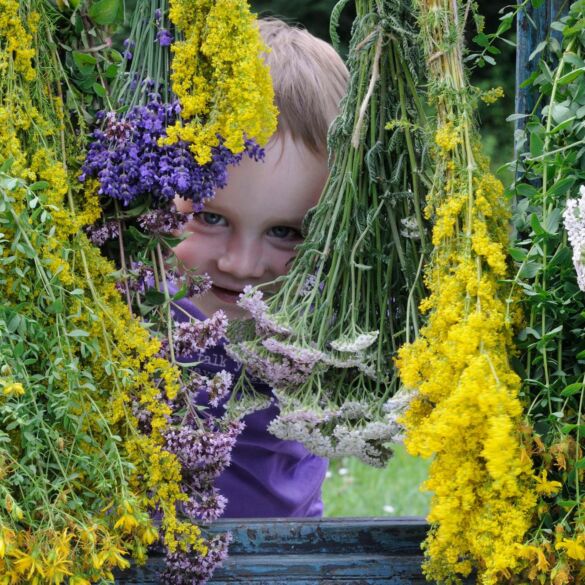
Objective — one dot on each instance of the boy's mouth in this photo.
(225, 294)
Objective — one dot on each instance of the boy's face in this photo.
(247, 234)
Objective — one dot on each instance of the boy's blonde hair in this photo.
(309, 80)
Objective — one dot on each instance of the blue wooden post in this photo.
(532, 28)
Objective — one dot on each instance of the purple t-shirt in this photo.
(268, 477)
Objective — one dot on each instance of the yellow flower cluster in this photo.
(466, 410)
(491, 96)
(220, 78)
(15, 40)
(447, 137)
(81, 546)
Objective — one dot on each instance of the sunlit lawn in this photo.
(355, 489)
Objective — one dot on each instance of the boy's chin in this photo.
(209, 304)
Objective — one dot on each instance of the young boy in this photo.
(248, 234)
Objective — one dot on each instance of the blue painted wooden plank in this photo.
(533, 26)
(398, 536)
(340, 551)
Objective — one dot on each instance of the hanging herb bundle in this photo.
(466, 411)
(550, 193)
(325, 340)
(143, 156)
(73, 360)
(224, 88)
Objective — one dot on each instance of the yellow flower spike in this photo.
(149, 535)
(28, 564)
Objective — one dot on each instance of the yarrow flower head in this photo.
(574, 219)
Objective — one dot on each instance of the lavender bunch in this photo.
(138, 180)
(126, 158)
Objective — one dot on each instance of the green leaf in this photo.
(536, 225)
(526, 190)
(481, 39)
(530, 270)
(536, 144)
(569, 428)
(180, 294)
(572, 389)
(104, 11)
(560, 113)
(38, 186)
(116, 56)
(552, 221)
(154, 297)
(111, 71)
(78, 333)
(514, 117)
(99, 90)
(55, 307)
(84, 62)
(561, 187)
(7, 165)
(518, 254)
(571, 76)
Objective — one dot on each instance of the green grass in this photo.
(355, 489)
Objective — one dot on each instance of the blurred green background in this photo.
(351, 488)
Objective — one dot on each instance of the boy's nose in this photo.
(242, 259)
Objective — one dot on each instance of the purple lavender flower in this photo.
(191, 337)
(206, 506)
(219, 387)
(99, 234)
(164, 38)
(126, 158)
(157, 15)
(196, 284)
(129, 44)
(187, 568)
(163, 221)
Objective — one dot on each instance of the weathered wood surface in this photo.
(335, 551)
(532, 28)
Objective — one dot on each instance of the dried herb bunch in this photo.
(325, 340)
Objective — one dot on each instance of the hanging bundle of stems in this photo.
(73, 360)
(326, 339)
(466, 410)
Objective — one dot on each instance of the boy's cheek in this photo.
(188, 252)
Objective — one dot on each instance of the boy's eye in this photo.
(281, 231)
(209, 218)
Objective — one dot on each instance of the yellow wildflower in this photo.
(447, 137)
(13, 389)
(546, 487)
(491, 96)
(573, 547)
